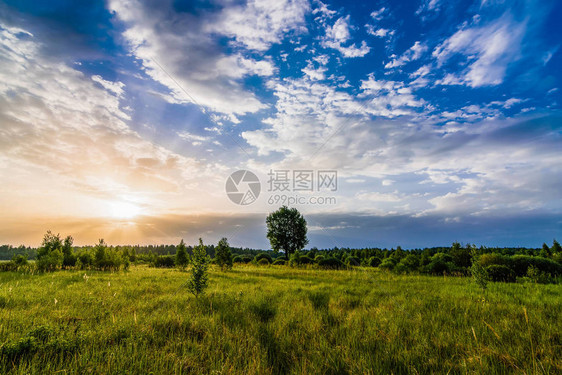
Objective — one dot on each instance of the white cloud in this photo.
(338, 34)
(378, 15)
(259, 24)
(316, 74)
(429, 6)
(387, 182)
(159, 37)
(195, 139)
(114, 87)
(237, 66)
(507, 104)
(488, 50)
(380, 197)
(63, 131)
(322, 59)
(381, 33)
(322, 12)
(413, 53)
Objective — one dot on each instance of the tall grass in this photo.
(275, 320)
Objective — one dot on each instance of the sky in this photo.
(411, 123)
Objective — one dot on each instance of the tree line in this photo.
(286, 232)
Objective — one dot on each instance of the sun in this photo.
(124, 210)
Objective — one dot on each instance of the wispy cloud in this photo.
(487, 50)
(413, 53)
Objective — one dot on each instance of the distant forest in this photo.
(7, 252)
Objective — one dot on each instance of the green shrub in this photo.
(242, 259)
(318, 258)
(521, 263)
(49, 255)
(498, 272)
(374, 262)
(264, 262)
(331, 263)
(353, 261)
(294, 259)
(442, 257)
(438, 267)
(388, 264)
(164, 261)
(85, 260)
(20, 261)
(197, 283)
(261, 256)
(539, 277)
(480, 275)
(409, 263)
(486, 260)
(279, 262)
(306, 260)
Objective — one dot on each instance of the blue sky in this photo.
(124, 119)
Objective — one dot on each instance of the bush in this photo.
(438, 267)
(388, 264)
(374, 262)
(442, 257)
(498, 272)
(264, 262)
(306, 260)
(85, 260)
(279, 262)
(331, 263)
(318, 258)
(7, 266)
(294, 259)
(539, 277)
(242, 259)
(353, 261)
(486, 260)
(479, 274)
(409, 263)
(261, 256)
(20, 260)
(521, 263)
(49, 255)
(197, 283)
(164, 261)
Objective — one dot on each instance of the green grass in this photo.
(275, 320)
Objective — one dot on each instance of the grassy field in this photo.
(275, 320)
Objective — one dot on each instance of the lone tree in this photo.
(223, 255)
(286, 230)
(197, 283)
(181, 256)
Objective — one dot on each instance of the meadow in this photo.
(275, 320)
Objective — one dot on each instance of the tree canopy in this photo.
(286, 230)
